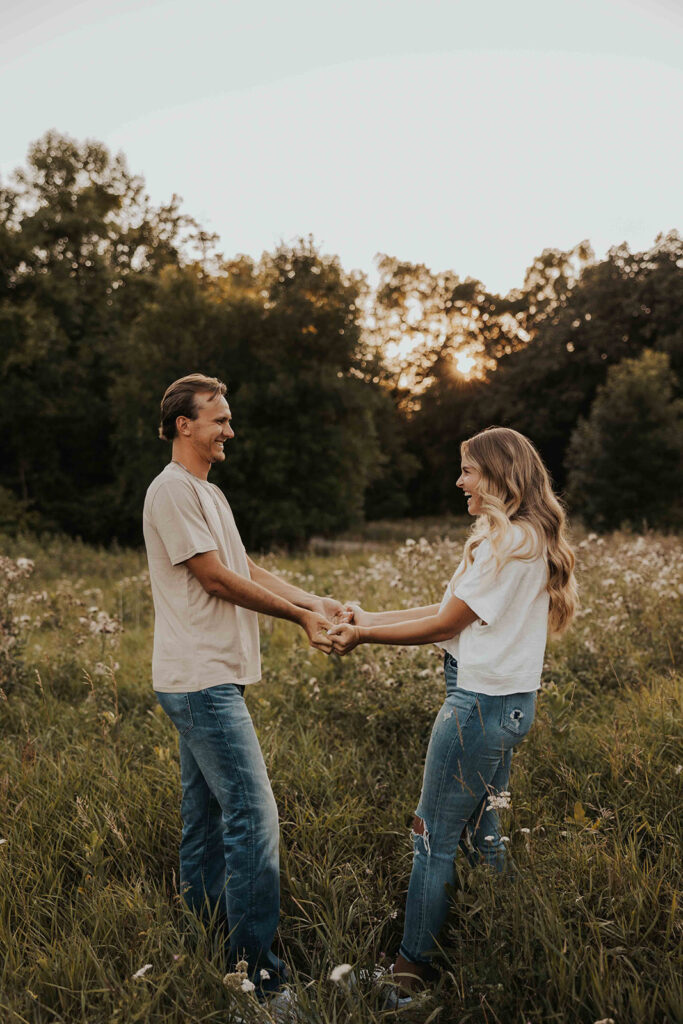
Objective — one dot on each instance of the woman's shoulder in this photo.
(522, 541)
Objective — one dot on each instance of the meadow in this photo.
(587, 930)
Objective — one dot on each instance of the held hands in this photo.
(317, 628)
(345, 637)
(333, 626)
(335, 611)
(356, 615)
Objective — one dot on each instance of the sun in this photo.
(465, 363)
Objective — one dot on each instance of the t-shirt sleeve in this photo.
(177, 516)
(486, 591)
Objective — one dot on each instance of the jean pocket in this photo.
(177, 707)
(517, 713)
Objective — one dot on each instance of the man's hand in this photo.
(345, 637)
(317, 627)
(333, 610)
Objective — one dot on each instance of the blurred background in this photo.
(384, 225)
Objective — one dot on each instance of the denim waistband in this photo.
(450, 670)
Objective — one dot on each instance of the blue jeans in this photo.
(468, 759)
(229, 854)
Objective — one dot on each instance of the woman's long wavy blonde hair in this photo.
(515, 488)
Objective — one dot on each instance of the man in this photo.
(207, 593)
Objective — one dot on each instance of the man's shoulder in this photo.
(167, 481)
(219, 492)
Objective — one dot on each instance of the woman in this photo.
(514, 582)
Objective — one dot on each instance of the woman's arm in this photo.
(363, 618)
(442, 625)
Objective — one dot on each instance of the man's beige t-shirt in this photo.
(199, 640)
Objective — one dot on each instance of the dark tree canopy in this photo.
(625, 460)
(346, 404)
(581, 318)
(105, 299)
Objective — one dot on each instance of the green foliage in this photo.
(349, 405)
(625, 461)
(578, 317)
(284, 335)
(616, 308)
(89, 801)
(78, 243)
(16, 516)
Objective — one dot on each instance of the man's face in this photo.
(211, 429)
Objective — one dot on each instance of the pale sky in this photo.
(468, 136)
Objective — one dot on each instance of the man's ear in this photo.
(182, 425)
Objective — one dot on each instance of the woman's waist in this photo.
(481, 680)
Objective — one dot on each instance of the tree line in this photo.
(348, 403)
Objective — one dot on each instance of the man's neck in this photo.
(190, 461)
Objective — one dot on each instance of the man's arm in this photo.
(221, 582)
(326, 606)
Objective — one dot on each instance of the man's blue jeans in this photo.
(229, 855)
(468, 759)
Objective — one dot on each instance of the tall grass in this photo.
(589, 927)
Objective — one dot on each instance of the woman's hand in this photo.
(344, 638)
(357, 615)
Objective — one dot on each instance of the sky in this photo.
(467, 136)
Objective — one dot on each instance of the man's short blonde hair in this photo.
(180, 400)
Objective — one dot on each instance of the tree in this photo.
(614, 310)
(426, 323)
(284, 334)
(625, 461)
(79, 246)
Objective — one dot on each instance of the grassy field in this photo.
(89, 798)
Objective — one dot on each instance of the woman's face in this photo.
(468, 481)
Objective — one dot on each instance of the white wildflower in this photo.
(488, 839)
(104, 624)
(678, 769)
(264, 975)
(340, 973)
(142, 971)
(247, 986)
(498, 801)
(505, 839)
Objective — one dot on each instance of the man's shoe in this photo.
(394, 998)
(284, 1007)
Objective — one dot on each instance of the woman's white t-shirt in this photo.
(502, 651)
